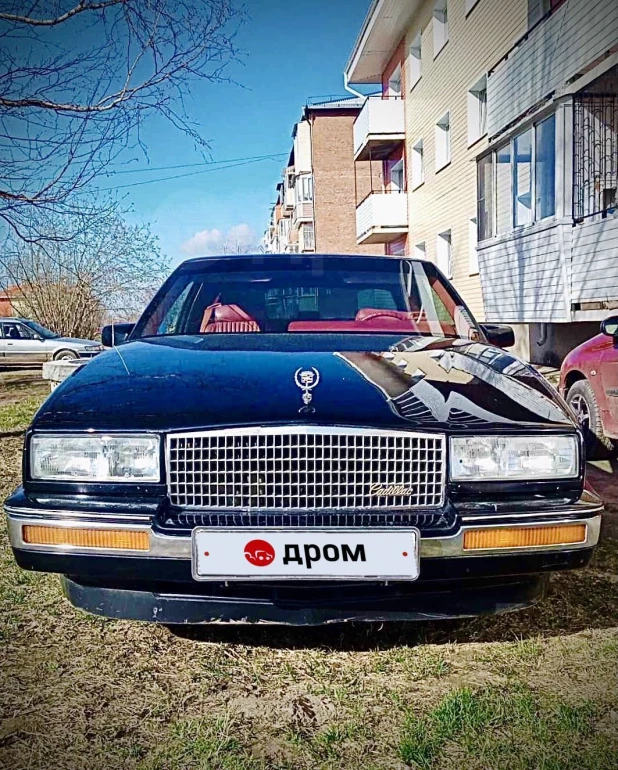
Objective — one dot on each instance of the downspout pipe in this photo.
(349, 88)
(542, 339)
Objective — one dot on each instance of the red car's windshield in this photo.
(339, 295)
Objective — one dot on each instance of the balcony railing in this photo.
(595, 155)
(379, 128)
(551, 55)
(382, 217)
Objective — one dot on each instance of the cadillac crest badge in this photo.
(307, 380)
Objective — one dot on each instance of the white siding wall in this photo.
(302, 148)
(578, 33)
(524, 276)
(447, 199)
(594, 261)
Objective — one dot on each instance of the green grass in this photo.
(533, 690)
(510, 727)
(17, 416)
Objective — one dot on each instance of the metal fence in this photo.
(595, 155)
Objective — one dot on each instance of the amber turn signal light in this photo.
(125, 539)
(524, 537)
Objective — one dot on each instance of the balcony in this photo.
(552, 54)
(303, 212)
(379, 128)
(382, 217)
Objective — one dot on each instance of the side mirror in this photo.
(115, 334)
(610, 326)
(499, 335)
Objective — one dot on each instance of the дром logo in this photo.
(259, 553)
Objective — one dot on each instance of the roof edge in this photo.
(356, 50)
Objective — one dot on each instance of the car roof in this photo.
(297, 260)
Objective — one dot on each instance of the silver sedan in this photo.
(23, 342)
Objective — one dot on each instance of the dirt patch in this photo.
(16, 384)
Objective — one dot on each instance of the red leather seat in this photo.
(227, 319)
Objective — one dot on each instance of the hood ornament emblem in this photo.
(307, 380)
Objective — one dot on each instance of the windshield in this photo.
(342, 295)
(40, 330)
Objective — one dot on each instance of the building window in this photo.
(443, 141)
(396, 177)
(485, 198)
(418, 169)
(443, 253)
(473, 255)
(419, 251)
(394, 82)
(545, 168)
(522, 179)
(308, 235)
(470, 5)
(440, 26)
(517, 182)
(504, 218)
(415, 61)
(538, 8)
(304, 189)
(477, 110)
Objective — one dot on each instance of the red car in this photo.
(589, 382)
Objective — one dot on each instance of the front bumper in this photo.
(157, 585)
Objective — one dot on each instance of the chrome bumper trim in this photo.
(179, 547)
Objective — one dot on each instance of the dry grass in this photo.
(535, 690)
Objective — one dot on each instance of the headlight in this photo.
(498, 458)
(93, 347)
(94, 458)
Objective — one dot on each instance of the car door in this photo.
(21, 344)
(608, 370)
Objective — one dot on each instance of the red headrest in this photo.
(230, 313)
(369, 313)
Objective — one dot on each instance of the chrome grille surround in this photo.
(304, 468)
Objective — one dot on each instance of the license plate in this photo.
(355, 554)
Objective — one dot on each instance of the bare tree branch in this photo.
(78, 84)
(79, 8)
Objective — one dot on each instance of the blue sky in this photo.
(292, 51)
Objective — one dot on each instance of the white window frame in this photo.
(440, 26)
(398, 170)
(304, 188)
(473, 255)
(420, 250)
(444, 253)
(536, 218)
(443, 141)
(415, 60)
(477, 111)
(395, 82)
(418, 165)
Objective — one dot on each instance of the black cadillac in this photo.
(304, 439)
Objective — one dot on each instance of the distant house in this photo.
(9, 298)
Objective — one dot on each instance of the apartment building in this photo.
(547, 186)
(497, 126)
(315, 206)
(430, 60)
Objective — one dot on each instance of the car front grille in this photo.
(431, 522)
(305, 468)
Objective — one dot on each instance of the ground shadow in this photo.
(578, 600)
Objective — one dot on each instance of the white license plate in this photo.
(266, 554)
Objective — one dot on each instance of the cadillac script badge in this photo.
(307, 380)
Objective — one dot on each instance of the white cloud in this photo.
(238, 239)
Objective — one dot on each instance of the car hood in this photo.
(418, 383)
